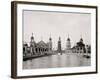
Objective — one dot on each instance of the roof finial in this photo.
(32, 37)
(59, 38)
(81, 36)
(50, 35)
(68, 39)
(81, 39)
(32, 34)
(68, 35)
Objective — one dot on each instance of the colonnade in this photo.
(39, 50)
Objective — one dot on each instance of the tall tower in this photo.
(32, 40)
(68, 45)
(59, 45)
(32, 45)
(50, 44)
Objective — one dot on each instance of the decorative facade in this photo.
(39, 48)
(42, 48)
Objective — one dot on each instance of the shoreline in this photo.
(35, 56)
(44, 55)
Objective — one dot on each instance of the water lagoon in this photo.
(58, 60)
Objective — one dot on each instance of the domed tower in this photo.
(32, 42)
(32, 45)
(59, 46)
(80, 46)
(68, 45)
(32, 38)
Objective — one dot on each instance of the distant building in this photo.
(42, 48)
(79, 48)
(50, 44)
(39, 48)
(59, 50)
(88, 48)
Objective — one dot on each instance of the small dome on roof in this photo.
(50, 38)
(81, 40)
(32, 36)
(68, 39)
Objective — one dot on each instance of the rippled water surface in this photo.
(53, 61)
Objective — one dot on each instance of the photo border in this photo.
(14, 37)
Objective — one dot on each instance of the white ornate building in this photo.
(39, 48)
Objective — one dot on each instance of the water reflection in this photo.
(53, 61)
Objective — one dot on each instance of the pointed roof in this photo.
(50, 37)
(59, 38)
(68, 39)
(41, 43)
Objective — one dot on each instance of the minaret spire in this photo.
(50, 37)
(59, 38)
(32, 34)
(81, 39)
(32, 38)
(81, 36)
(68, 35)
(68, 39)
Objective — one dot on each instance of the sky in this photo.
(45, 24)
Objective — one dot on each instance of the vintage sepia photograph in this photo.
(56, 39)
(53, 39)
